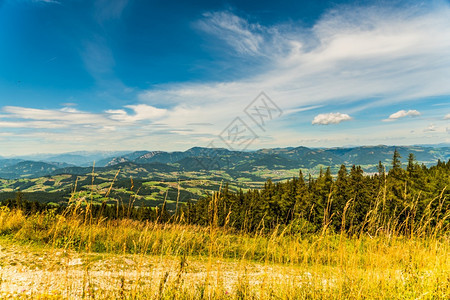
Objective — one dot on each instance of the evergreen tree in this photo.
(396, 163)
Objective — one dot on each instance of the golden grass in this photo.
(193, 262)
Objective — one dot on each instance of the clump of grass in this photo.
(324, 265)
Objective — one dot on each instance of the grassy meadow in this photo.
(77, 256)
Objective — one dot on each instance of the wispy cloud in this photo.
(47, 1)
(447, 117)
(389, 55)
(67, 115)
(237, 32)
(403, 113)
(98, 57)
(109, 9)
(31, 124)
(141, 112)
(99, 62)
(330, 118)
(23, 117)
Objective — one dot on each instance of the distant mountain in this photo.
(111, 160)
(29, 169)
(367, 155)
(8, 162)
(79, 158)
(165, 157)
(290, 152)
(441, 145)
(73, 159)
(127, 168)
(143, 157)
(268, 161)
(137, 163)
(73, 170)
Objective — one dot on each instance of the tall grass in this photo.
(380, 263)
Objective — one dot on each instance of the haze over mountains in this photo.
(200, 159)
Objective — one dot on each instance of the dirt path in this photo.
(32, 271)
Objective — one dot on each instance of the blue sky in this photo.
(169, 75)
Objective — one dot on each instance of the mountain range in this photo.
(210, 159)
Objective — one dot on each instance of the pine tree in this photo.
(396, 163)
(342, 196)
(411, 165)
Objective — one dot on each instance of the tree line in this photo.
(349, 201)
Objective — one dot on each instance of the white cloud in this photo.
(33, 125)
(237, 32)
(437, 129)
(431, 128)
(65, 115)
(141, 112)
(330, 118)
(447, 117)
(23, 117)
(402, 113)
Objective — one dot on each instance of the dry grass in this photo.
(69, 256)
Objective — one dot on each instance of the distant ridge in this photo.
(234, 162)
